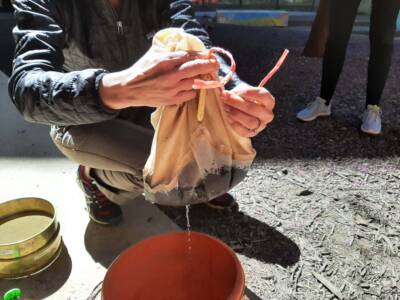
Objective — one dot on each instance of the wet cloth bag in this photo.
(195, 154)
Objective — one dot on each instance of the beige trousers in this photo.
(116, 150)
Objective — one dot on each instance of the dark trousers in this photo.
(381, 35)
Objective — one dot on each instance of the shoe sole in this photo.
(112, 223)
(313, 118)
(370, 132)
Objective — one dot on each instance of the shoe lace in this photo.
(316, 103)
(96, 196)
(373, 112)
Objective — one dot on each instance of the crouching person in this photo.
(80, 66)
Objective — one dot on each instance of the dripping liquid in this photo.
(189, 239)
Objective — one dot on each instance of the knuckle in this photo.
(254, 123)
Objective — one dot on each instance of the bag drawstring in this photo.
(203, 85)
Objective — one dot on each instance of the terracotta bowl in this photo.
(163, 267)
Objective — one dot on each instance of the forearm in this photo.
(59, 98)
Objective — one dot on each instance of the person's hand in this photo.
(248, 109)
(157, 79)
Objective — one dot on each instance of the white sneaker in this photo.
(371, 121)
(315, 109)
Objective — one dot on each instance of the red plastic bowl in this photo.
(162, 267)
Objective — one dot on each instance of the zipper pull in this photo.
(120, 27)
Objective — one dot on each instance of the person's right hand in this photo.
(157, 79)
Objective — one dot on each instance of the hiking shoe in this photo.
(226, 201)
(371, 121)
(100, 209)
(315, 109)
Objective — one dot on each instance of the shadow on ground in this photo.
(248, 236)
(45, 283)
(142, 220)
(250, 295)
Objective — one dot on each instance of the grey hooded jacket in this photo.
(64, 48)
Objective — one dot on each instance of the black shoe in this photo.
(226, 201)
(100, 209)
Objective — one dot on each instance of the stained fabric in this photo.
(193, 160)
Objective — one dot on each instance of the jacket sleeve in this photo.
(39, 88)
(182, 15)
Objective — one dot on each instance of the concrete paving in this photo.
(31, 166)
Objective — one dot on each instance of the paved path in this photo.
(31, 166)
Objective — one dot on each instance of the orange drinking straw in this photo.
(275, 68)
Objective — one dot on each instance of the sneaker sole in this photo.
(370, 132)
(110, 223)
(313, 118)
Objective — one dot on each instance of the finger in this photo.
(183, 85)
(228, 95)
(260, 95)
(241, 130)
(180, 57)
(165, 63)
(197, 68)
(182, 97)
(191, 69)
(242, 118)
(251, 108)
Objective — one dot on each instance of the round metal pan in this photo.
(26, 225)
(33, 263)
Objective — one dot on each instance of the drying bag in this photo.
(193, 161)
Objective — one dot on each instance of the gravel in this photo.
(318, 213)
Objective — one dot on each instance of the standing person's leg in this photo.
(343, 13)
(382, 31)
(381, 35)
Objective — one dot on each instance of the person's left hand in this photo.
(249, 109)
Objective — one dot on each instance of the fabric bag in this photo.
(195, 154)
